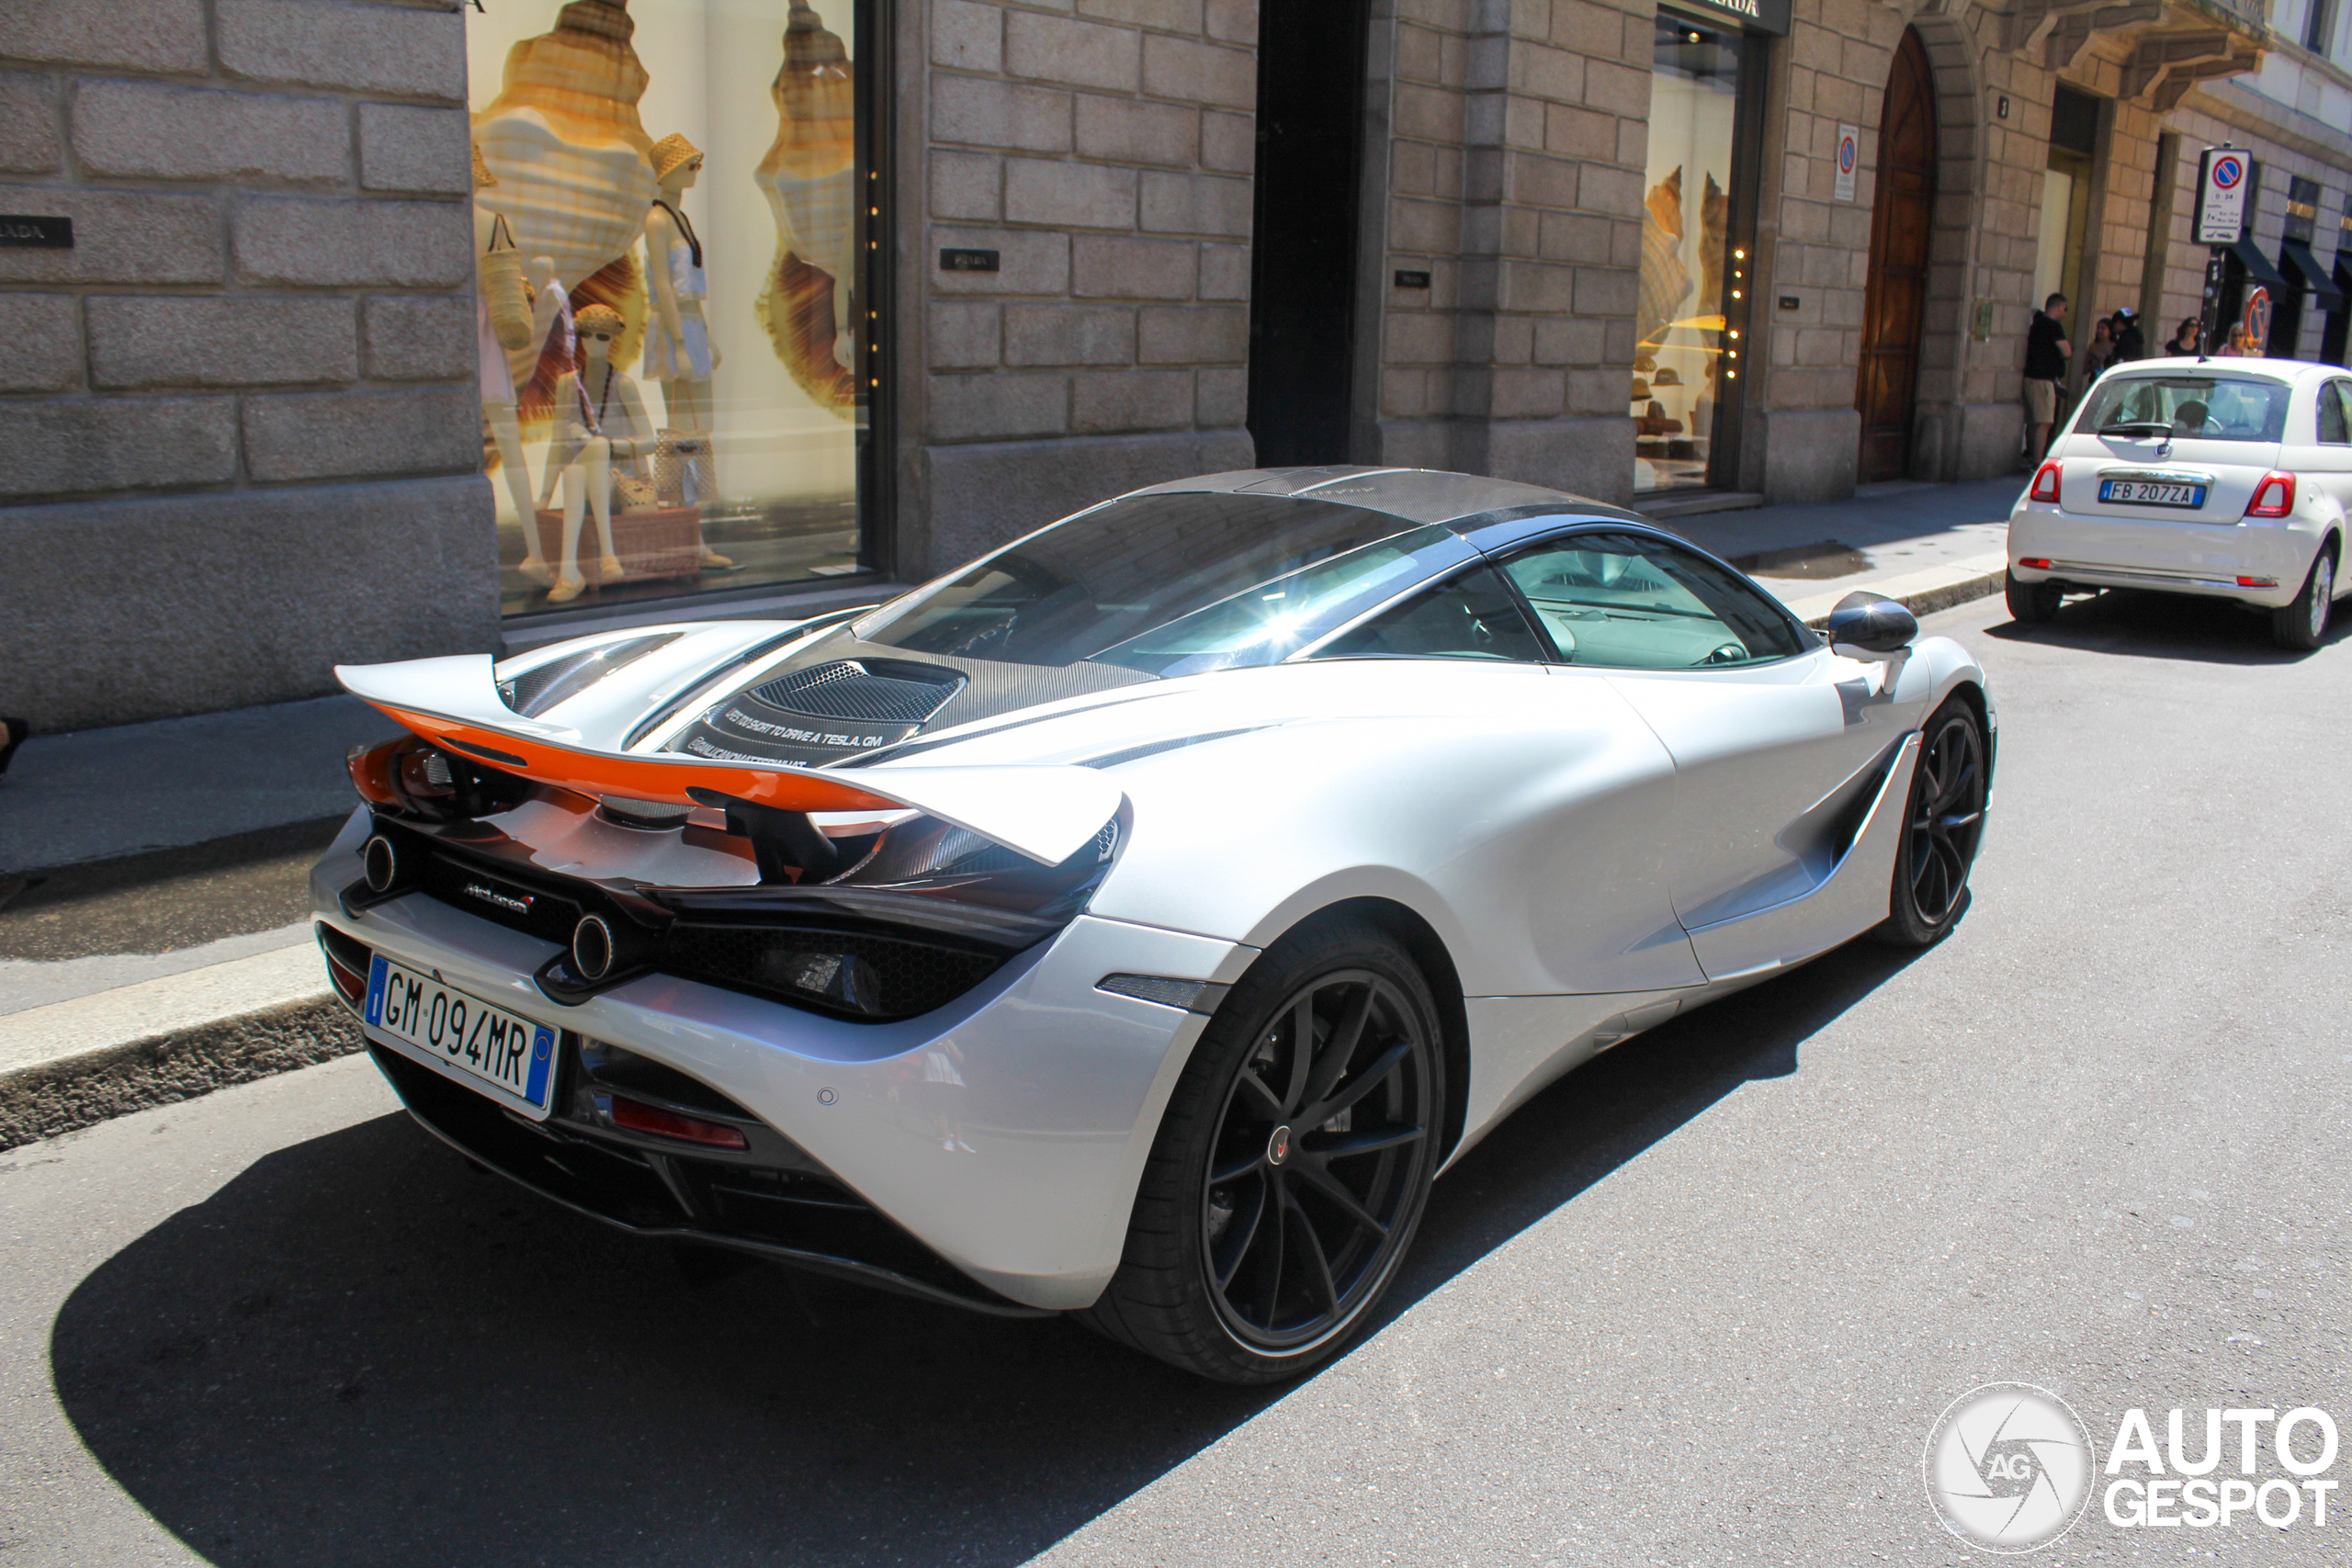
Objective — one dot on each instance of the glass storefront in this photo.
(674, 323)
(1688, 315)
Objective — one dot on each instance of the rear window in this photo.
(2190, 406)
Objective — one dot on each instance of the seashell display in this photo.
(809, 177)
(571, 160)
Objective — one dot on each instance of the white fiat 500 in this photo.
(2228, 477)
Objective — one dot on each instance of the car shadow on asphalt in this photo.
(362, 1351)
(2167, 626)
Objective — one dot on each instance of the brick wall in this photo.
(249, 386)
(1517, 135)
(1103, 149)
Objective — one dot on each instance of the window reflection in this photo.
(1689, 271)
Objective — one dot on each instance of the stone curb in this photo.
(1926, 601)
(81, 1090)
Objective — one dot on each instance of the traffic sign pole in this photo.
(2210, 314)
(2224, 174)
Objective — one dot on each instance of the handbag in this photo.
(503, 289)
(633, 492)
(685, 470)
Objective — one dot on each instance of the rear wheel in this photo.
(2032, 602)
(1943, 822)
(1293, 1163)
(2302, 624)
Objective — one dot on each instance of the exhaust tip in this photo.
(380, 863)
(592, 948)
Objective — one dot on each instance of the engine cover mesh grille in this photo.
(867, 692)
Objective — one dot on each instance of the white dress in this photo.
(692, 286)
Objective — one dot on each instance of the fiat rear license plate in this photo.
(486, 1045)
(2150, 492)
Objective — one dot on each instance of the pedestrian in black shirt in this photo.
(2131, 343)
(2046, 351)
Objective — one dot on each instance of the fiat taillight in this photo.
(2274, 497)
(2045, 484)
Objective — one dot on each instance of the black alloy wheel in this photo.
(2031, 603)
(1318, 1156)
(1943, 823)
(1292, 1164)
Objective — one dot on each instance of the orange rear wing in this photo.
(1045, 813)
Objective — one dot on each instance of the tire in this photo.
(2302, 626)
(2031, 603)
(1943, 823)
(1205, 1284)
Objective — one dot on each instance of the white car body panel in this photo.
(1595, 849)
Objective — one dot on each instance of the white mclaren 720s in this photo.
(1134, 922)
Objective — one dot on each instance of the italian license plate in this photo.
(475, 1042)
(2150, 492)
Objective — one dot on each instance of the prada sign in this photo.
(1751, 15)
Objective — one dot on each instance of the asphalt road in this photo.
(1699, 1303)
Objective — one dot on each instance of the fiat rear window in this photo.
(2186, 408)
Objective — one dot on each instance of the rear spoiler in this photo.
(1045, 813)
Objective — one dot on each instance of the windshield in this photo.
(2197, 408)
(1154, 581)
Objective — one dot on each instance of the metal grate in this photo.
(850, 689)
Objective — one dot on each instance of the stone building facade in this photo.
(243, 415)
(239, 432)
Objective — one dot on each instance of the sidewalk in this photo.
(154, 943)
(1931, 545)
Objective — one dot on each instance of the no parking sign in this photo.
(2224, 176)
(1849, 158)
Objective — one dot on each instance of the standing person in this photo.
(2183, 344)
(2046, 352)
(2100, 352)
(2131, 343)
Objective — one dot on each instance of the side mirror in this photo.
(1871, 626)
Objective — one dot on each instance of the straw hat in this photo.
(484, 178)
(671, 152)
(599, 319)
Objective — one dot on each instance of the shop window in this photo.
(1695, 274)
(676, 215)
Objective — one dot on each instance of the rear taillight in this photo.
(2274, 497)
(638, 1117)
(2034, 563)
(2045, 484)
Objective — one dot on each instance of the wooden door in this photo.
(1902, 220)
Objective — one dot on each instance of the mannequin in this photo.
(678, 350)
(600, 423)
(554, 349)
(498, 384)
(551, 312)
